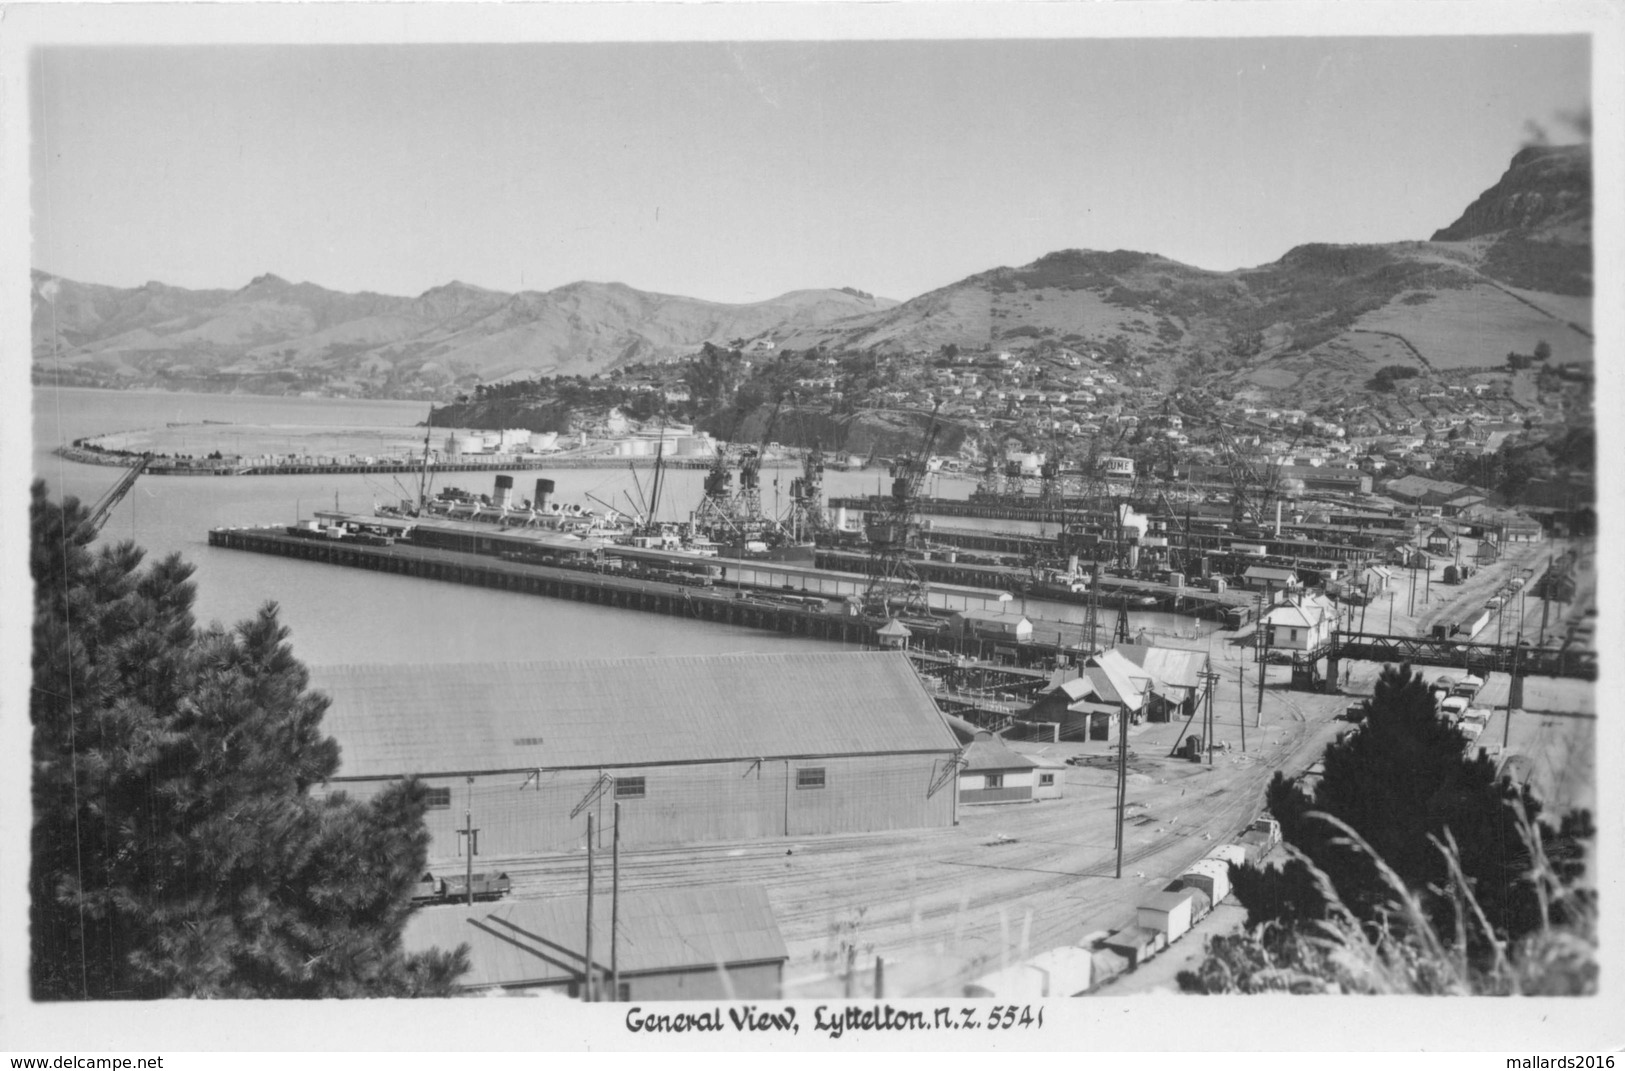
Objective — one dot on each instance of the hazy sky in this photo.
(736, 172)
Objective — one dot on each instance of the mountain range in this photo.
(1513, 269)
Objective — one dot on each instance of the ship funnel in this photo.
(544, 488)
(504, 492)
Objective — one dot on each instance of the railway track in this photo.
(969, 893)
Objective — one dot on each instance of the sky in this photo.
(738, 171)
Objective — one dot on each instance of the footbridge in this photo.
(1518, 659)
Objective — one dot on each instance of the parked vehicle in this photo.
(433, 890)
(1453, 708)
(1468, 687)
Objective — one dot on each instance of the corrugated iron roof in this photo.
(1169, 666)
(1117, 680)
(538, 942)
(425, 719)
(987, 752)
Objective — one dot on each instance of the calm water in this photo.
(339, 615)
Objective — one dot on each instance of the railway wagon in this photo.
(487, 886)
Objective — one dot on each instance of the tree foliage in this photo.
(176, 849)
(1394, 792)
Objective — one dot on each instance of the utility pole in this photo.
(615, 908)
(1122, 782)
(1241, 691)
(587, 977)
(1512, 686)
(468, 840)
(1263, 668)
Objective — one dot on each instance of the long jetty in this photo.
(720, 605)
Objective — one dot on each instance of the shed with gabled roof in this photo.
(993, 773)
(709, 942)
(696, 749)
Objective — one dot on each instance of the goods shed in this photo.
(696, 749)
(716, 942)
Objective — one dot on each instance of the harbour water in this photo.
(342, 616)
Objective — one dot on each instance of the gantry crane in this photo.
(892, 535)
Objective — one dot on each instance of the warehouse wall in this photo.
(684, 804)
(761, 981)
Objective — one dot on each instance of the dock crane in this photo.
(115, 494)
(807, 519)
(1255, 490)
(895, 533)
(748, 505)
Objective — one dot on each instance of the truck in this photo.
(1453, 709)
(1260, 837)
(1468, 687)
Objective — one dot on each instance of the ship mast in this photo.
(423, 474)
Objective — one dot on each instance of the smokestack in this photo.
(1277, 518)
(544, 488)
(503, 497)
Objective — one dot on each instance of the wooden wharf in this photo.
(970, 659)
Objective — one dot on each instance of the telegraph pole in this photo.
(615, 906)
(1122, 782)
(1512, 686)
(1241, 691)
(468, 835)
(1263, 669)
(1410, 610)
(586, 989)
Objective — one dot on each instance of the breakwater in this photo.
(162, 465)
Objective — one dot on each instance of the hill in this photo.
(276, 336)
(1513, 270)
(1516, 268)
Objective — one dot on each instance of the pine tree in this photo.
(1401, 783)
(176, 848)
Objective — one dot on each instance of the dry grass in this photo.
(1478, 326)
(1407, 955)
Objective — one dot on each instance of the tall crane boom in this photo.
(892, 574)
(115, 494)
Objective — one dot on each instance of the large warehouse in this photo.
(695, 748)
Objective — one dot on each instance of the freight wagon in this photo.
(1169, 914)
(449, 890)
